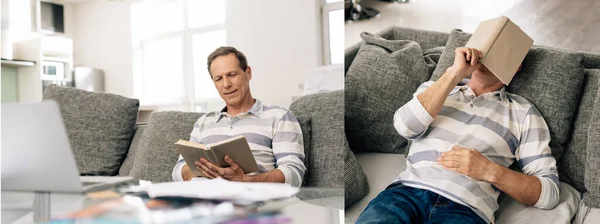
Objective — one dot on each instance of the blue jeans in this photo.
(403, 204)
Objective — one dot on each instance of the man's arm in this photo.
(288, 149)
(412, 119)
(177, 173)
(536, 186)
(275, 176)
(181, 171)
(186, 173)
(523, 188)
(433, 98)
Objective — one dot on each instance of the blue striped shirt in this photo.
(273, 133)
(504, 127)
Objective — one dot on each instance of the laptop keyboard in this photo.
(88, 183)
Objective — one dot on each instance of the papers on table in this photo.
(220, 189)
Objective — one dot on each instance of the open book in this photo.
(237, 148)
(503, 44)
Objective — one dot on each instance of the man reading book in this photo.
(465, 134)
(273, 133)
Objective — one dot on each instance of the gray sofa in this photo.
(106, 140)
(383, 71)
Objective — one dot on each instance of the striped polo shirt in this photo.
(504, 127)
(273, 133)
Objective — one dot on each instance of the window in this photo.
(204, 44)
(333, 31)
(172, 39)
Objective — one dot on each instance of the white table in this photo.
(312, 205)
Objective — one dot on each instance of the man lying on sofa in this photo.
(273, 133)
(465, 133)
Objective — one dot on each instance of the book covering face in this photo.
(503, 44)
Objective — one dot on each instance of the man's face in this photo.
(230, 80)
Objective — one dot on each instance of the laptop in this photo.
(36, 155)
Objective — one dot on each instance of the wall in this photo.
(23, 19)
(102, 39)
(281, 40)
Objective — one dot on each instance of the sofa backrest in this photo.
(156, 155)
(128, 162)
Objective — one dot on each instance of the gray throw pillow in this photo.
(306, 133)
(383, 77)
(128, 162)
(591, 60)
(432, 56)
(572, 165)
(425, 39)
(99, 125)
(356, 184)
(156, 155)
(550, 78)
(592, 164)
(325, 164)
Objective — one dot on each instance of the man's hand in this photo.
(469, 162)
(466, 60)
(433, 98)
(186, 173)
(233, 172)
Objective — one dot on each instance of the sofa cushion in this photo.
(591, 60)
(550, 78)
(432, 56)
(356, 185)
(156, 155)
(572, 165)
(99, 125)
(425, 39)
(592, 164)
(128, 162)
(381, 169)
(327, 141)
(511, 211)
(586, 215)
(383, 77)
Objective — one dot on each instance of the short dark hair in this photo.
(225, 50)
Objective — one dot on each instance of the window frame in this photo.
(325, 9)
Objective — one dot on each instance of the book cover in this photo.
(236, 147)
(503, 44)
(486, 33)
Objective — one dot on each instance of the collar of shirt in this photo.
(462, 85)
(255, 110)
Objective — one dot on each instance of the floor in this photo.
(564, 24)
